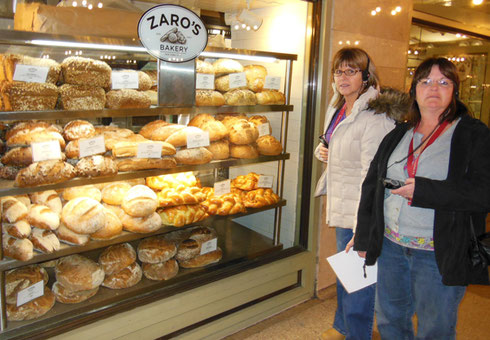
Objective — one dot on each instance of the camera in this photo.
(392, 183)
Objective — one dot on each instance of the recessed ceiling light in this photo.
(477, 2)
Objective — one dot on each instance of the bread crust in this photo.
(86, 71)
(156, 249)
(82, 97)
(202, 260)
(32, 309)
(77, 129)
(161, 271)
(77, 273)
(127, 98)
(115, 258)
(83, 215)
(124, 278)
(44, 172)
(64, 295)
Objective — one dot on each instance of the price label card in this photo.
(197, 139)
(91, 146)
(204, 81)
(30, 293)
(149, 150)
(237, 80)
(44, 151)
(209, 246)
(30, 74)
(124, 80)
(265, 181)
(272, 83)
(264, 129)
(222, 187)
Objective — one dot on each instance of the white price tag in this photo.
(237, 80)
(197, 139)
(204, 81)
(265, 181)
(209, 246)
(30, 74)
(30, 293)
(44, 151)
(124, 80)
(222, 187)
(91, 146)
(149, 150)
(264, 129)
(272, 83)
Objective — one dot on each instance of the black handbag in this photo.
(479, 248)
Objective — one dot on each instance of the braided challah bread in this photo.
(181, 195)
(259, 198)
(223, 205)
(246, 182)
(182, 214)
(172, 181)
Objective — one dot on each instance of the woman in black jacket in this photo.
(420, 232)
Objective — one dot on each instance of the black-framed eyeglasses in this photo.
(349, 72)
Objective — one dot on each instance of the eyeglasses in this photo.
(349, 72)
(427, 82)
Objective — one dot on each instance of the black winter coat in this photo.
(463, 194)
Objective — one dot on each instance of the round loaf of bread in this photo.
(140, 201)
(243, 132)
(187, 250)
(202, 234)
(49, 198)
(125, 278)
(77, 129)
(202, 260)
(209, 98)
(12, 209)
(240, 97)
(40, 216)
(243, 151)
(115, 192)
(204, 67)
(82, 191)
(255, 75)
(258, 120)
(269, 146)
(215, 128)
(161, 271)
(67, 236)
(76, 273)
(83, 215)
(116, 209)
(193, 156)
(19, 279)
(156, 249)
(112, 227)
(222, 84)
(96, 166)
(220, 149)
(67, 296)
(226, 66)
(199, 119)
(179, 138)
(32, 309)
(117, 257)
(146, 224)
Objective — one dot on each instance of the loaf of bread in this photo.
(115, 258)
(86, 71)
(181, 215)
(259, 120)
(259, 198)
(112, 227)
(156, 249)
(29, 136)
(30, 126)
(193, 156)
(172, 181)
(77, 129)
(240, 98)
(243, 151)
(269, 146)
(243, 132)
(224, 205)
(255, 75)
(246, 182)
(161, 271)
(209, 98)
(153, 74)
(20, 229)
(226, 66)
(67, 296)
(72, 149)
(9, 172)
(202, 260)
(20, 96)
(112, 138)
(111, 130)
(24, 199)
(140, 201)
(179, 138)
(81, 97)
(220, 149)
(215, 128)
(13, 210)
(88, 190)
(67, 236)
(19, 279)
(76, 273)
(144, 81)
(130, 149)
(18, 156)
(124, 278)
(228, 119)
(199, 119)
(116, 209)
(44, 240)
(270, 97)
(44, 172)
(96, 166)
(10, 61)
(187, 250)
(49, 198)
(182, 195)
(83, 215)
(114, 192)
(42, 217)
(32, 309)
(204, 67)
(18, 249)
(127, 98)
(222, 84)
(133, 164)
(148, 129)
(202, 234)
(153, 95)
(143, 225)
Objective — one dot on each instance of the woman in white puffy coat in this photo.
(351, 137)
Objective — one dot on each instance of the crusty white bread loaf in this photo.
(193, 156)
(143, 225)
(44, 172)
(133, 164)
(161, 271)
(226, 66)
(20, 229)
(72, 149)
(88, 190)
(270, 97)
(259, 120)
(215, 128)
(240, 98)
(44, 241)
(67, 236)
(243, 132)
(156, 249)
(19, 279)
(162, 131)
(204, 67)
(130, 149)
(13, 210)
(255, 75)
(19, 156)
(140, 201)
(222, 84)
(32, 309)
(171, 197)
(114, 192)
(244, 151)
(96, 166)
(112, 227)
(111, 138)
(77, 129)
(127, 98)
(29, 136)
(182, 214)
(10, 61)
(86, 71)
(125, 278)
(76, 273)
(187, 250)
(18, 249)
(268, 145)
(81, 97)
(116, 209)
(20, 96)
(83, 215)
(115, 258)
(147, 130)
(29, 126)
(209, 98)
(229, 119)
(199, 119)
(42, 217)
(172, 181)
(179, 138)
(202, 260)
(220, 149)
(67, 296)
(49, 198)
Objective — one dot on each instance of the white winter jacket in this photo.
(351, 148)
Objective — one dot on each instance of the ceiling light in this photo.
(398, 9)
(250, 19)
(378, 9)
(393, 12)
(477, 2)
(373, 12)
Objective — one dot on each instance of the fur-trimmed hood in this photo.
(394, 102)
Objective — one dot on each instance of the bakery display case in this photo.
(238, 244)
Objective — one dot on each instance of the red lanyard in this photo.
(412, 162)
(339, 117)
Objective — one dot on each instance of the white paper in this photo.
(222, 187)
(204, 81)
(272, 83)
(44, 151)
(30, 73)
(264, 129)
(209, 246)
(197, 139)
(349, 270)
(237, 80)
(30, 293)
(149, 150)
(265, 181)
(91, 146)
(124, 80)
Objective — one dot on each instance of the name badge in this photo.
(222, 187)
(91, 146)
(272, 83)
(197, 139)
(264, 129)
(209, 246)
(149, 150)
(204, 81)
(237, 80)
(44, 151)
(124, 80)
(265, 181)
(30, 293)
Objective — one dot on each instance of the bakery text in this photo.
(173, 48)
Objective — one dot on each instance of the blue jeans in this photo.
(355, 311)
(409, 282)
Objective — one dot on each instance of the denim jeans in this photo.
(355, 312)
(409, 282)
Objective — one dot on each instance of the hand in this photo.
(323, 153)
(361, 254)
(407, 190)
(349, 245)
